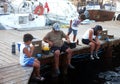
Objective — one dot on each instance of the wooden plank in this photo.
(15, 74)
(2, 62)
(8, 58)
(8, 66)
(16, 77)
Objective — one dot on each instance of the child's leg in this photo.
(37, 70)
(92, 48)
(74, 35)
(96, 49)
(69, 31)
(97, 46)
(74, 38)
(37, 67)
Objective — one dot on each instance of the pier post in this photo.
(107, 57)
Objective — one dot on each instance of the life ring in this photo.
(39, 10)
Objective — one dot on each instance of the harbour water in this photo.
(89, 72)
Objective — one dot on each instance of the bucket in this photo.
(73, 45)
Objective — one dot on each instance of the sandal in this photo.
(40, 78)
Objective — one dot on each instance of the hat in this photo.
(56, 26)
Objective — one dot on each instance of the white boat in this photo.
(61, 10)
(20, 18)
(21, 13)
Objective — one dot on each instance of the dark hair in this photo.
(97, 28)
(84, 9)
(82, 16)
(27, 37)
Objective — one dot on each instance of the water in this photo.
(89, 72)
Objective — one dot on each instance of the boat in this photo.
(101, 15)
(61, 10)
(20, 16)
(30, 14)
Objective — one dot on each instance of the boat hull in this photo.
(21, 21)
(101, 15)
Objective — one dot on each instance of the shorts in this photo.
(86, 41)
(62, 49)
(74, 31)
(29, 61)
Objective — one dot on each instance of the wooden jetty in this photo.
(12, 73)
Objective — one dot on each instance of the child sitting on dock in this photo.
(74, 25)
(91, 38)
(26, 58)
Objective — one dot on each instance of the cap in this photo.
(56, 26)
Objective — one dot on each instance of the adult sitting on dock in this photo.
(54, 39)
(91, 38)
(26, 58)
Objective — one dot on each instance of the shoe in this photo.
(91, 57)
(96, 56)
(40, 78)
(71, 66)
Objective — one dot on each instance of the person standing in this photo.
(54, 39)
(74, 26)
(26, 59)
(90, 37)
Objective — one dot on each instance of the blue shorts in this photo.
(74, 31)
(29, 61)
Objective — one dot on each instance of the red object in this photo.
(46, 6)
(39, 10)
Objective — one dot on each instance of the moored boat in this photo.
(101, 15)
(17, 14)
